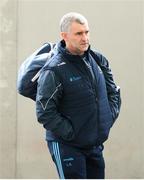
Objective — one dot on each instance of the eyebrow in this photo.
(80, 32)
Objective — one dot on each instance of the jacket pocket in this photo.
(67, 131)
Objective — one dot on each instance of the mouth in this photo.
(84, 44)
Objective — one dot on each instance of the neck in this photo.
(74, 52)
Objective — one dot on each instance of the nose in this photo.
(84, 37)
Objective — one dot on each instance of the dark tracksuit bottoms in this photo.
(77, 163)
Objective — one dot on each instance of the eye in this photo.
(79, 33)
(86, 32)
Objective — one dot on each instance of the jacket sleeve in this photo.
(113, 90)
(49, 94)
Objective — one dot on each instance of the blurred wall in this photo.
(116, 29)
(8, 95)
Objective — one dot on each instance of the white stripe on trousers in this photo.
(56, 152)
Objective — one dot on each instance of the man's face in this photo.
(77, 38)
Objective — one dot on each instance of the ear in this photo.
(64, 35)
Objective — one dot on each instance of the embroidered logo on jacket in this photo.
(75, 78)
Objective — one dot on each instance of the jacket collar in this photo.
(68, 55)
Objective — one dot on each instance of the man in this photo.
(77, 103)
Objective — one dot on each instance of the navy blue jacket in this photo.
(75, 103)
